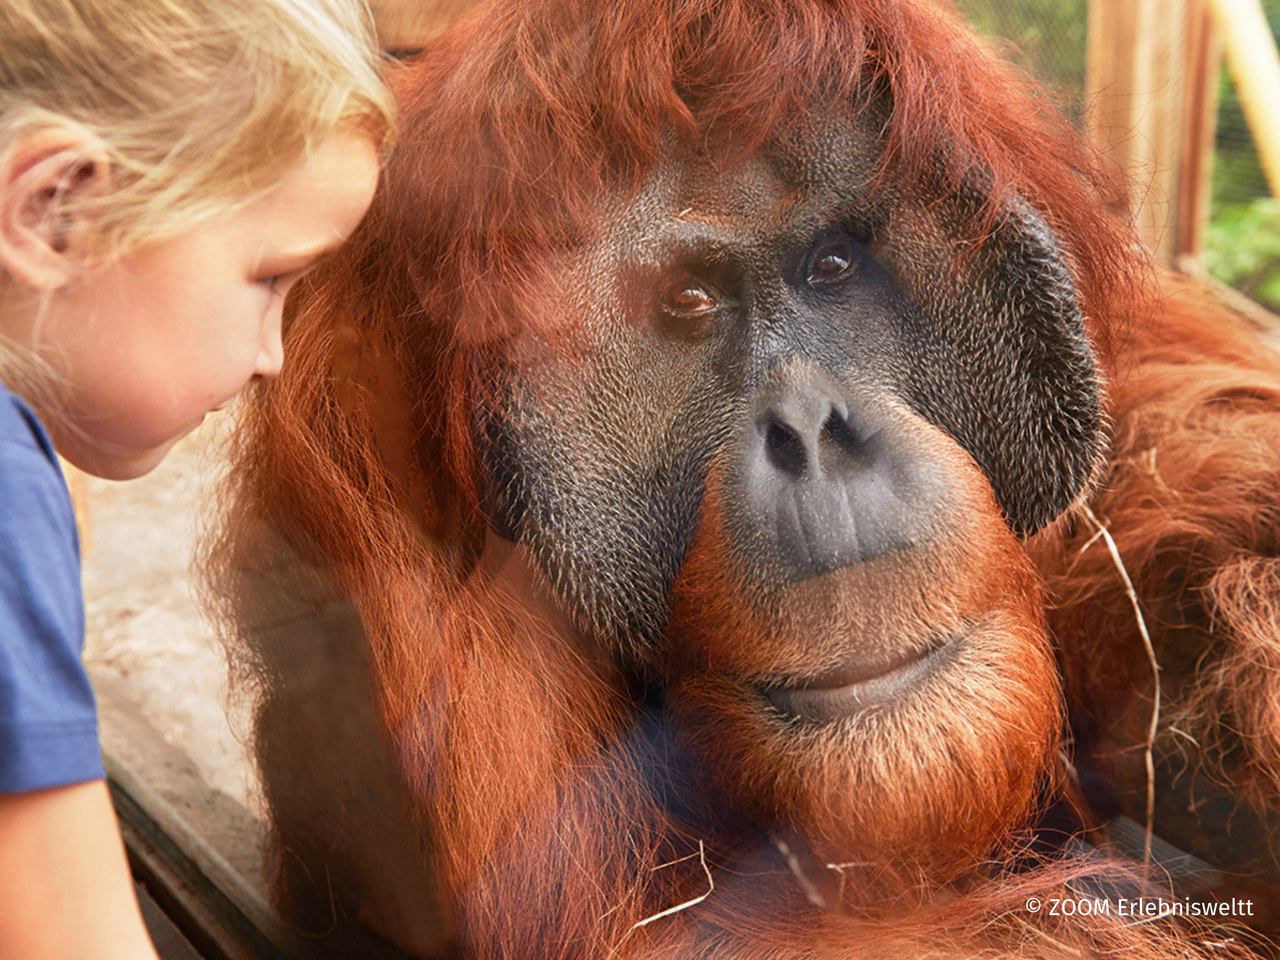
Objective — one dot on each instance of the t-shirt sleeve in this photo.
(48, 720)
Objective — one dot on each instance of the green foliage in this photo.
(1237, 175)
(1243, 249)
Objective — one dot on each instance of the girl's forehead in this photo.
(313, 208)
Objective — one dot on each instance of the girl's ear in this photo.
(43, 179)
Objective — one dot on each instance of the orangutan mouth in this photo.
(862, 683)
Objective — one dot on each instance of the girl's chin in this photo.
(113, 463)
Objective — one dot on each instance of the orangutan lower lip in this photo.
(853, 688)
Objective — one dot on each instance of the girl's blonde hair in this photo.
(197, 105)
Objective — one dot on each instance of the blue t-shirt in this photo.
(48, 721)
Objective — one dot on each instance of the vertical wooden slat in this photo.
(1135, 74)
(1195, 186)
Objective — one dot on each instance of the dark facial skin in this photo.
(775, 316)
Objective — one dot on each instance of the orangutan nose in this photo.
(831, 478)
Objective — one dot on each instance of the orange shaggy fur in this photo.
(450, 757)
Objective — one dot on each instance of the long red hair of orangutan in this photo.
(506, 723)
(483, 192)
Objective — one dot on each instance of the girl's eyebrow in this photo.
(312, 251)
(302, 258)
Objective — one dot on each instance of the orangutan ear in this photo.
(44, 178)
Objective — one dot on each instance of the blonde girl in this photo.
(168, 169)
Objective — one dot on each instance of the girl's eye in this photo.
(270, 282)
(831, 261)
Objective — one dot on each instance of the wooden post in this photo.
(1195, 186)
(1151, 84)
(1255, 67)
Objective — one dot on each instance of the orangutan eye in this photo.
(688, 298)
(831, 261)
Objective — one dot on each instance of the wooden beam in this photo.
(1255, 67)
(1200, 123)
(1151, 85)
